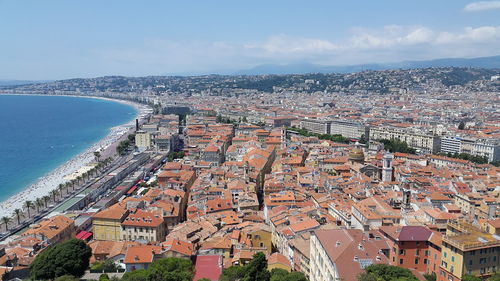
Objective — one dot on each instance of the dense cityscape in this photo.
(279, 177)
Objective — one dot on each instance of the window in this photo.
(417, 252)
(400, 261)
(445, 254)
(402, 252)
(483, 270)
(452, 258)
(482, 260)
(426, 261)
(416, 260)
(470, 262)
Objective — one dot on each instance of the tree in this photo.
(105, 266)
(97, 155)
(72, 182)
(28, 204)
(384, 272)
(396, 145)
(232, 273)
(68, 258)
(6, 221)
(61, 188)
(430, 277)
(54, 194)
(495, 277)
(279, 274)
(66, 278)
(171, 269)
(46, 199)
(18, 214)
(168, 269)
(256, 270)
(136, 275)
(468, 277)
(38, 204)
(104, 277)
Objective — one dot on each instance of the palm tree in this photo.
(18, 213)
(6, 221)
(61, 188)
(78, 179)
(73, 181)
(46, 199)
(38, 204)
(97, 155)
(67, 184)
(54, 194)
(28, 204)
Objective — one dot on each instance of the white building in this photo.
(451, 144)
(425, 143)
(343, 254)
(142, 140)
(489, 148)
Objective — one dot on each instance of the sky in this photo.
(60, 39)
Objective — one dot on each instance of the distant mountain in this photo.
(20, 82)
(482, 62)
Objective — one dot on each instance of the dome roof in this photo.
(357, 154)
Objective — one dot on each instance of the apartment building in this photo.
(143, 226)
(467, 249)
(316, 126)
(343, 254)
(489, 148)
(424, 142)
(142, 140)
(414, 247)
(349, 129)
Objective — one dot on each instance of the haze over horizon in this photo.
(60, 39)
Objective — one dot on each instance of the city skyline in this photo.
(58, 40)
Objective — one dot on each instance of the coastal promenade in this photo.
(54, 190)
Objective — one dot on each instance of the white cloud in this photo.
(482, 6)
(363, 45)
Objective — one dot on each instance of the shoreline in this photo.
(50, 181)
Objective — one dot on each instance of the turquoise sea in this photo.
(39, 133)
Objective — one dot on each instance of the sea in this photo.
(40, 133)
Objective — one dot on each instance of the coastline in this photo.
(48, 182)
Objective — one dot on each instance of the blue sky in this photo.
(65, 39)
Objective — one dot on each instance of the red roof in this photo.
(209, 266)
(414, 233)
(132, 189)
(83, 235)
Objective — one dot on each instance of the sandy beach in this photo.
(47, 183)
